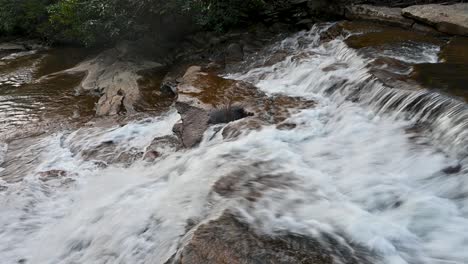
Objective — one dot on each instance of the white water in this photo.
(350, 168)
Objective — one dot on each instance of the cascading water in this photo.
(352, 168)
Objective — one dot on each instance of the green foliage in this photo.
(23, 16)
(105, 21)
(220, 15)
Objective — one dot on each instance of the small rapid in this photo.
(370, 165)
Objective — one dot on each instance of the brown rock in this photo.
(227, 240)
(205, 99)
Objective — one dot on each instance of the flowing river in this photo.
(383, 167)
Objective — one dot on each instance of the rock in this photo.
(450, 74)
(456, 51)
(227, 114)
(229, 240)
(52, 174)
(204, 99)
(11, 47)
(452, 169)
(234, 52)
(161, 146)
(114, 74)
(451, 19)
(389, 36)
(424, 28)
(194, 123)
(381, 14)
(109, 106)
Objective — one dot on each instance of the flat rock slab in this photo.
(451, 19)
(386, 15)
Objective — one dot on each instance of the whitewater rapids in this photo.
(353, 167)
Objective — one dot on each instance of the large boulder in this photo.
(381, 14)
(451, 19)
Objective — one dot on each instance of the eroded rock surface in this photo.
(451, 19)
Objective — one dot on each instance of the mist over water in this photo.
(367, 165)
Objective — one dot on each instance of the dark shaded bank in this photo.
(102, 22)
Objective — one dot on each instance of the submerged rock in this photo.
(451, 19)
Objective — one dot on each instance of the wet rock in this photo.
(106, 153)
(52, 174)
(234, 52)
(227, 240)
(161, 146)
(452, 169)
(450, 78)
(11, 47)
(276, 57)
(390, 36)
(235, 129)
(230, 240)
(381, 14)
(227, 114)
(451, 19)
(205, 99)
(114, 74)
(109, 106)
(456, 51)
(194, 123)
(424, 28)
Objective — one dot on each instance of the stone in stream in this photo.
(229, 240)
(451, 19)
